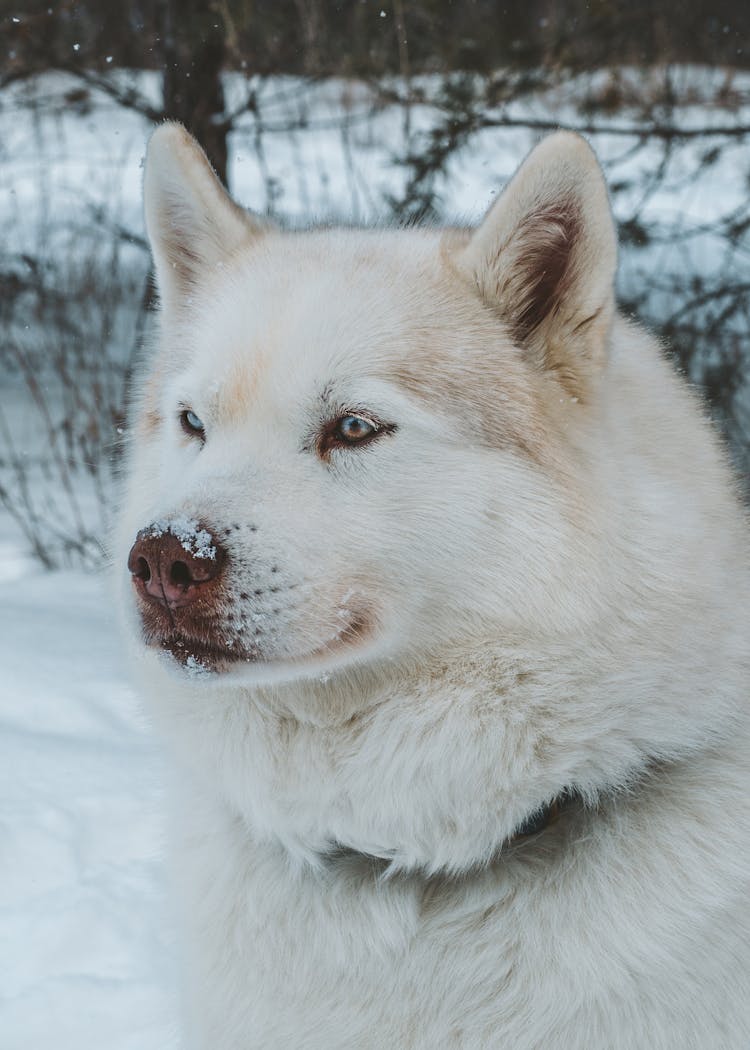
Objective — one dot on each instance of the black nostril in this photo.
(142, 570)
(179, 574)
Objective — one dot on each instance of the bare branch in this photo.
(128, 97)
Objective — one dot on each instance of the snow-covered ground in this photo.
(85, 953)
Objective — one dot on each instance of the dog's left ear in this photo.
(544, 259)
(193, 224)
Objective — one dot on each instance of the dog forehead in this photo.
(307, 309)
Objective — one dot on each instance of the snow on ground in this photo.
(86, 959)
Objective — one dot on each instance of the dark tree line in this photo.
(371, 37)
(191, 41)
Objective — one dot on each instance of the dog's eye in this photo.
(347, 431)
(192, 424)
(351, 430)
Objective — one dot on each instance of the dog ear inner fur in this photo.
(544, 259)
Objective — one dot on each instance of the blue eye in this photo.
(192, 424)
(350, 430)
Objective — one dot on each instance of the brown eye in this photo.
(192, 424)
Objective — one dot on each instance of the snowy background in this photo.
(87, 959)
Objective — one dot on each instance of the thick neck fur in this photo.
(436, 769)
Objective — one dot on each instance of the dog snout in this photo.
(174, 564)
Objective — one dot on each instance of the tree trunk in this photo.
(194, 51)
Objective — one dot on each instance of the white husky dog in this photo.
(439, 590)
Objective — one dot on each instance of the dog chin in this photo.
(224, 666)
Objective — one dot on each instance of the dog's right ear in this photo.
(193, 225)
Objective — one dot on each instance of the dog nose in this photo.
(174, 564)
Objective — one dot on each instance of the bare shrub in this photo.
(65, 362)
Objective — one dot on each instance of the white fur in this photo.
(555, 569)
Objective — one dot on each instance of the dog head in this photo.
(402, 511)
(353, 446)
